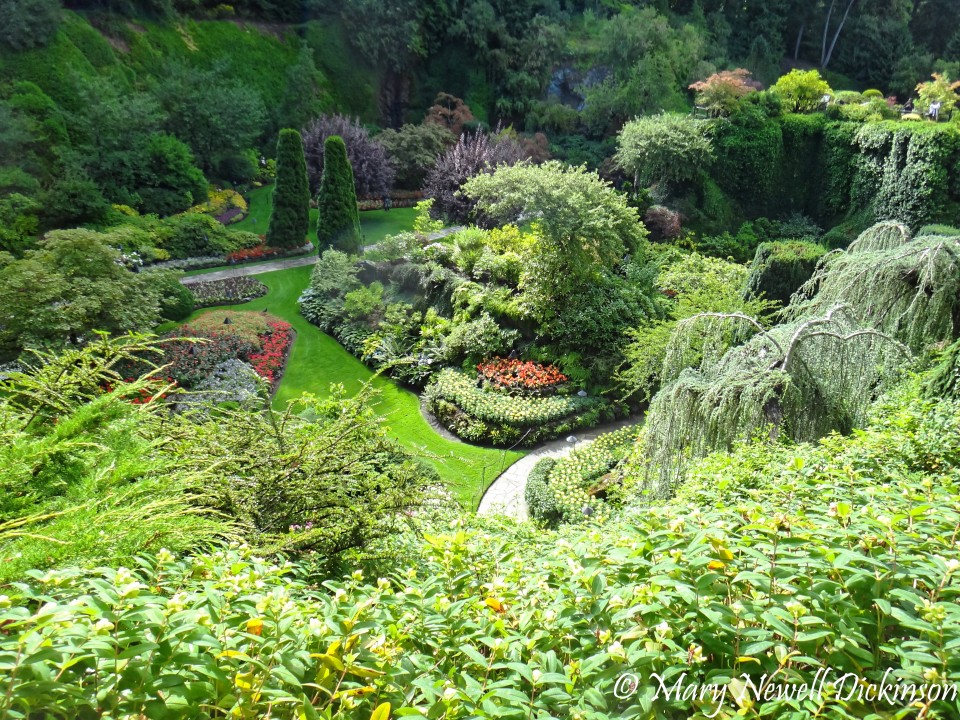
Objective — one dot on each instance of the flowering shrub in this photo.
(269, 362)
(577, 481)
(232, 291)
(230, 381)
(227, 206)
(520, 374)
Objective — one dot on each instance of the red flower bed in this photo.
(269, 361)
(520, 374)
(257, 252)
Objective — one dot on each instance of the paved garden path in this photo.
(285, 263)
(505, 494)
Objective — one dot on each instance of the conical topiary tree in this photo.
(290, 220)
(339, 223)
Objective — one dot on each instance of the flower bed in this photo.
(257, 252)
(398, 199)
(493, 406)
(522, 375)
(261, 340)
(269, 362)
(231, 291)
(496, 418)
(209, 261)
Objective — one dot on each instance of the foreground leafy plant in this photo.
(819, 556)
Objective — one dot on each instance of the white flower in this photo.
(103, 627)
(617, 651)
(449, 694)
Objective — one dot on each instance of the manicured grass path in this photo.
(317, 360)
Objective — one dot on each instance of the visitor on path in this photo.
(387, 202)
(934, 112)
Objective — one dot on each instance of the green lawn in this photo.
(317, 360)
(375, 224)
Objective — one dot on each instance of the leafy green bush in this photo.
(944, 230)
(802, 90)
(198, 235)
(176, 300)
(472, 341)
(540, 498)
(668, 148)
(579, 485)
(29, 23)
(944, 379)
(749, 149)
(775, 560)
(780, 268)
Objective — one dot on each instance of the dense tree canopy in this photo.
(668, 148)
(72, 284)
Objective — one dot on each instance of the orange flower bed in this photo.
(520, 374)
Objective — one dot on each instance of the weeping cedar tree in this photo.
(290, 220)
(339, 223)
(849, 331)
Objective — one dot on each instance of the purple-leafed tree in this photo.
(372, 171)
(473, 154)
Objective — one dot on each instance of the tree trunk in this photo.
(836, 35)
(826, 31)
(796, 47)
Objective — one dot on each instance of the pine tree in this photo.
(339, 222)
(290, 220)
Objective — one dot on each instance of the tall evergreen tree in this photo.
(339, 222)
(290, 220)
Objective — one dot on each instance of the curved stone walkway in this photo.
(505, 494)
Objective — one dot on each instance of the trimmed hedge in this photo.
(780, 268)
